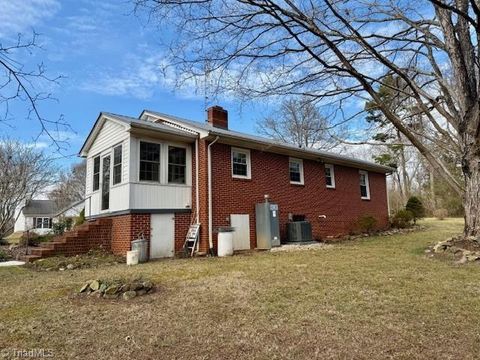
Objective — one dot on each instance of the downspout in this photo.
(210, 220)
(388, 197)
(197, 197)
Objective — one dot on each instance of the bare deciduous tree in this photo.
(334, 50)
(24, 172)
(299, 122)
(21, 83)
(70, 187)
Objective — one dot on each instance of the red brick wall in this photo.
(270, 175)
(126, 228)
(182, 223)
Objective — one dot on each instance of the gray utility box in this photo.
(299, 231)
(267, 220)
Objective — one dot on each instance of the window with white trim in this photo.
(117, 164)
(96, 173)
(177, 164)
(364, 185)
(149, 162)
(330, 176)
(296, 171)
(241, 167)
(42, 222)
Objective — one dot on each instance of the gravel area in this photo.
(304, 246)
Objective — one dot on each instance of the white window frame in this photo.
(42, 221)
(298, 161)
(332, 175)
(249, 165)
(112, 163)
(367, 184)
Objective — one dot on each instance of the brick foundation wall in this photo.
(126, 228)
(182, 223)
(270, 175)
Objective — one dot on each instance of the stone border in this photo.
(447, 246)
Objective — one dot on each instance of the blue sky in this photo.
(110, 61)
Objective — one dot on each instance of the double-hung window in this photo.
(96, 173)
(177, 165)
(296, 171)
(149, 162)
(241, 167)
(117, 164)
(330, 176)
(364, 185)
(42, 222)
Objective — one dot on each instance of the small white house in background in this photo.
(40, 215)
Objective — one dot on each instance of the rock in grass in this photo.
(85, 287)
(95, 285)
(112, 289)
(147, 285)
(136, 286)
(97, 294)
(102, 288)
(70, 266)
(141, 292)
(129, 295)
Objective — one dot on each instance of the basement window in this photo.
(96, 173)
(241, 165)
(296, 171)
(364, 185)
(329, 176)
(149, 162)
(177, 165)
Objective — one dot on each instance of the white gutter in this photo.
(210, 220)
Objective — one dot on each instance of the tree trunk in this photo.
(471, 199)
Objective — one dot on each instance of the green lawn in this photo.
(375, 298)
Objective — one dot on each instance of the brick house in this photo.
(143, 174)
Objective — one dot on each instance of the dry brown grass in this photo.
(375, 298)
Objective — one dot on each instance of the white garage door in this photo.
(241, 235)
(162, 237)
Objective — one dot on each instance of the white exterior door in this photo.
(162, 237)
(241, 235)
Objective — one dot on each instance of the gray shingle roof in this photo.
(329, 156)
(40, 207)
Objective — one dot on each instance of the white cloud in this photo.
(139, 77)
(22, 15)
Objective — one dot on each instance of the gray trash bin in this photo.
(142, 246)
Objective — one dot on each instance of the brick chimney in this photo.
(218, 117)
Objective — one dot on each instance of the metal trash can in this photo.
(225, 241)
(141, 245)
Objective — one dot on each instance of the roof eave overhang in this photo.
(148, 131)
(300, 153)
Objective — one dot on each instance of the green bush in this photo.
(415, 206)
(29, 239)
(80, 218)
(367, 223)
(63, 225)
(440, 214)
(402, 219)
(3, 256)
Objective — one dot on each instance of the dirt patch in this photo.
(92, 259)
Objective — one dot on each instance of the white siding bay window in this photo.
(241, 164)
(364, 185)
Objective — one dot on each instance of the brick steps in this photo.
(93, 234)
